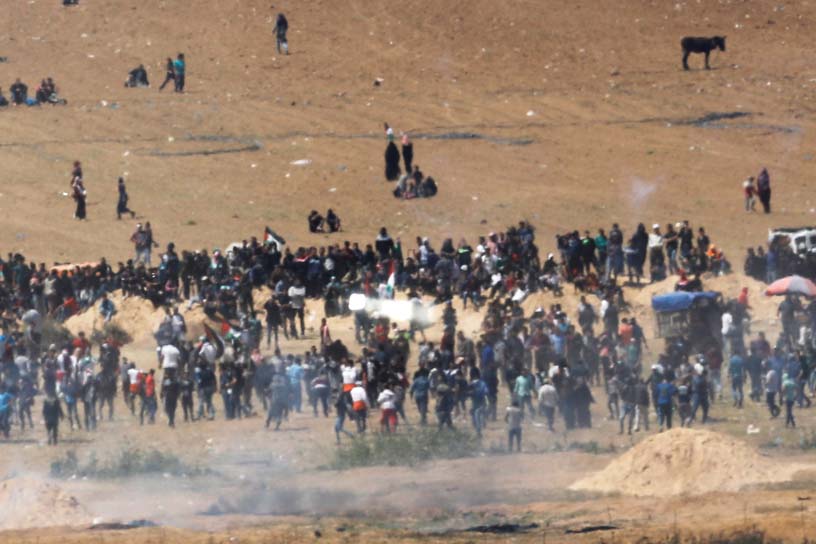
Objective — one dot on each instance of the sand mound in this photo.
(686, 462)
(30, 502)
(135, 315)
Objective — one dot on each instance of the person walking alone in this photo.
(122, 204)
(78, 192)
(281, 27)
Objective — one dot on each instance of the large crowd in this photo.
(551, 364)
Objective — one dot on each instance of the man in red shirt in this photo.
(81, 343)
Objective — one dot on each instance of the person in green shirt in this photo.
(789, 393)
(601, 244)
(522, 391)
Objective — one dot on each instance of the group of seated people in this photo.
(46, 94)
(331, 223)
(137, 77)
(415, 185)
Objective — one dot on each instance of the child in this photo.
(513, 418)
(750, 194)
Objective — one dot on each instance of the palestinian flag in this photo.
(272, 237)
(215, 340)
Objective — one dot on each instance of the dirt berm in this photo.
(687, 462)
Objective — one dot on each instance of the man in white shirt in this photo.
(547, 402)
(388, 418)
(207, 351)
(360, 405)
(169, 356)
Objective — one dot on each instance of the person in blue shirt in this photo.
(419, 392)
(107, 308)
(478, 396)
(736, 371)
(179, 69)
(6, 399)
(665, 397)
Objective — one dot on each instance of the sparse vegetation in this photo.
(410, 448)
(745, 536)
(129, 462)
(111, 330)
(54, 332)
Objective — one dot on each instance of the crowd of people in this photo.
(46, 93)
(551, 364)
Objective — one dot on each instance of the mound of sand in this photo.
(31, 502)
(135, 315)
(686, 462)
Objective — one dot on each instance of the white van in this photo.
(801, 240)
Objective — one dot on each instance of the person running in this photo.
(344, 410)
(170, 76)
(281, 27)
(122, 203)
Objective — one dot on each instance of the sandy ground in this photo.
(575, 115)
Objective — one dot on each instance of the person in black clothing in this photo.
(52, 414)
(315, 222)
(170, 392)
(273, 320)
(332, 221)
(19, 92)
(764, 190)
(170, 76)
(384, 244)
(186, 386)
(3, 100)
(137, 77)
(407, 153)
(392, 162)
(122, 204)
(281, 27)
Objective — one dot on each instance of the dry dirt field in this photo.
(569, 114)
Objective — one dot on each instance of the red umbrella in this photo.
(792, 285)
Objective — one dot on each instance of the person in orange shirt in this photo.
(148, 399)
